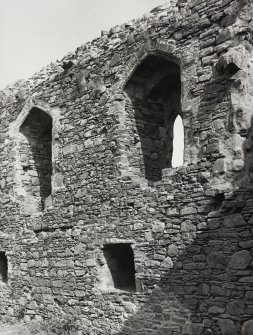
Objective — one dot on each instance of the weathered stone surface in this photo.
(188, 210)
(193, 329)
(238, 164)
(215, 310)
(246, 244)
(234, 220)
(235, 307)
(227, 327)
(217, 260)
(167, 263)
(247, 328)
(240, 260)
(214, 223)
(95, 222)
(219, 166)
(158, 227)
(172, 250)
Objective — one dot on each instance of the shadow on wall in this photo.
(153, 104)
(209, 288)
(247, 174)
(36, 155)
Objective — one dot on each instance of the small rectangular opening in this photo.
(3, 267)
(120, 261)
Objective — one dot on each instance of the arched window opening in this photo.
(178, 143)
(36, 156)
(153, 104)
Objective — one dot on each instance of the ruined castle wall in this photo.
(190, 232)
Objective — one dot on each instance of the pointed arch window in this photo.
(153, 104)
(36, 157)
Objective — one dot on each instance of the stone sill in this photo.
(167, 172)
(115, 290)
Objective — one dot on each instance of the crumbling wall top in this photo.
(181, 16)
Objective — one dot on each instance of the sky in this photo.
(35, 32)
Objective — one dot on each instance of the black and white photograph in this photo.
(126, 167)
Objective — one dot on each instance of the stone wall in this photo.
(190, 232)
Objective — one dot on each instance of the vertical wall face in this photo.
(154, 92)
(36, 155)
(192, 242)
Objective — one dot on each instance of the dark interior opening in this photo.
(3, 267)
(153, 103)
(120, 261)
(36, 155)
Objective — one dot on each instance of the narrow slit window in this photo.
(178, 143)
(120, 262)
(3, 268)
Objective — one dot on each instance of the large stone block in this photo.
(240, 260)
(235, 307)
(227, 327)
(234, 220)
(247, 328)
(193, 329)
(217, 260)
